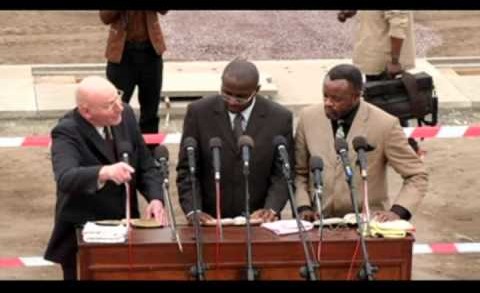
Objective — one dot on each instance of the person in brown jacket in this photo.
(344, 111)
(134, 53)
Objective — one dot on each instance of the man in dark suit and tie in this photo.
(90, 180)
(237, 110)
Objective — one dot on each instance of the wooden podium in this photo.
(152, 254)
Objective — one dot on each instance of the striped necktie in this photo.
(237, 126)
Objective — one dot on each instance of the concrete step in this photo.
(48, 89)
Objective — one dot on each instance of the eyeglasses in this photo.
(114, 102)
(237, 100)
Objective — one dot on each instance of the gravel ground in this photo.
(35, 37)
(264, 35)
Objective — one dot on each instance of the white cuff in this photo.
(191, 212)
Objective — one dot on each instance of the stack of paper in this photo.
(348, 219)
(93, 233)
(391, 229)
(283, 227)
(237, 221)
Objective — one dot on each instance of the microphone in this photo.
(307, 271)
(190, 144)
(245, 143)
(361, 146)
(316, 167)
(341, 147)
(125, 149)
(280, 144)
(215, 147)
(160, 155)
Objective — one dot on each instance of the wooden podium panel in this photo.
(152, 254)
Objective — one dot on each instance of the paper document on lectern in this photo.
(93, 233)
(284, 227)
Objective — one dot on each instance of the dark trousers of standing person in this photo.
(403, 122)
(69, 270)
(68, 248)
(140, 65)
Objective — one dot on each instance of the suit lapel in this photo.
(119, 135)
(257, 117)
(222, 121)
(358, 127)
(92, 137)
(325, 133)
(359, 123)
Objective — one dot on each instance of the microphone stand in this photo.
(171, 216)
(367, 270)
(127, 196)
(308, 271)
(128, 218)
(197, 270)
(252, 272)
(317, 193)
(217, 197)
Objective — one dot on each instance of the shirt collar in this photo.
(245, 113)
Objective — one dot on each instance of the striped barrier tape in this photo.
(418, 249)
(44, 140)
(174, 138)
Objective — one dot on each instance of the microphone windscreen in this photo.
(125, 147)
(190, 142)
(279, 140)
(161, 151)
(360, 142)
(316, 163)
(340, 144)
(215, 142)
(245, 140)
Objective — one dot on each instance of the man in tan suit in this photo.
(344, 110)
(384, 46)
(384, 41)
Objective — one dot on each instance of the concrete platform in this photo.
(48, 90)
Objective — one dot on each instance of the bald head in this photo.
(242, 71)
(98, 101)
(94, 90)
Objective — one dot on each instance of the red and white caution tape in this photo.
(446, 248)
(418, 249)
(443, 131)
(44, 140)
(174, 138)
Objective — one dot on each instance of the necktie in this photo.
(109, 142)
(237, 126)
(340, 130)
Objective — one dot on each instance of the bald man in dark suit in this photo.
(89, 177)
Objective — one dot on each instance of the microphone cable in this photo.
(355, 252)
(219, 230)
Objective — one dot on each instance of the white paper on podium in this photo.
(284, 227)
